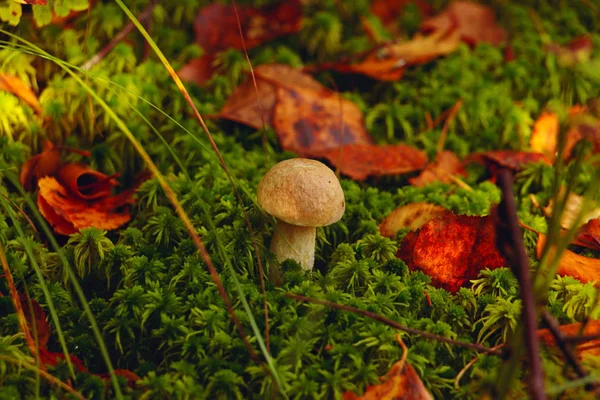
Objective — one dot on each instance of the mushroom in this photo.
(302, 194)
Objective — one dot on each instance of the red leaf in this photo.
(198, 70)
(512, 159)
(445, 166)
(475, 23)
(216, 25)
(359, 160)
(452, 249)
(389, 10)
(584, 348)
(44, 164)
(52, 358)
(41, 325)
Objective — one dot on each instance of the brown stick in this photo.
(393, 324)
(89, 64)
(509, 240)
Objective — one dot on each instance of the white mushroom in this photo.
(302, 194)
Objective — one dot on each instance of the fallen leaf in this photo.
(452, 249)
(585, 269)
(545, 135)
(53, 358)
(245, 107)
(589, 235)
(401, 382)
(216, 28)
(511, 159)
(388, 63)
(216, 25)
(475, 23)
(359, 161)
(388, 11)
(577, 50)
(445, 166)
(44, 164)
(573, 206)
(412, 216)
(68, 213)
(584, 348)
(42, 329)
(16, 86)
(84, 182)
(309, 121)
(198, 70)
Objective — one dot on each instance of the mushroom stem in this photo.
(295, 242)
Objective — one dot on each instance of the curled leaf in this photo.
(511, 159)
(44, 164)
(360, 161)
(68, 213)
(84, 182)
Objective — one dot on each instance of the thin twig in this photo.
(509, 239)
(118, 38)
(470, 364)
(262, 116)
(393, 324)
(451, 115)
(581, 338)
(51, 379)
(559, 338)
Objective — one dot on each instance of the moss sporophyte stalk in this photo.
(140, 300)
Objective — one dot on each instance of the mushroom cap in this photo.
(302, 192)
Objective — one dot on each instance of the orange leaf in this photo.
(452, 249)
(400, 383)
(360, 160)
(590, 347)
(389, 62)
(412, 216)
(245, 107)
(475, 23)
(445, 166)
(44, 164)
(585, 269)
(309, 121)
(16, 86)
(68, 213)
(85, 183)
(545, 135)
(216, 25)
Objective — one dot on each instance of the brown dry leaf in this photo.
(16, 86)
(44, 164)
(445, 166)
(511, 159)
(360, 161)
(84, 182)
(309, 122)
(452, 249)
(412, 216)
(586, 348)
(198, 70)
(245, 107)
(389, 62)
(400, 383)
(572, 209)
(475, 23)
(68, 213)
(216, 25)
(585, 269)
